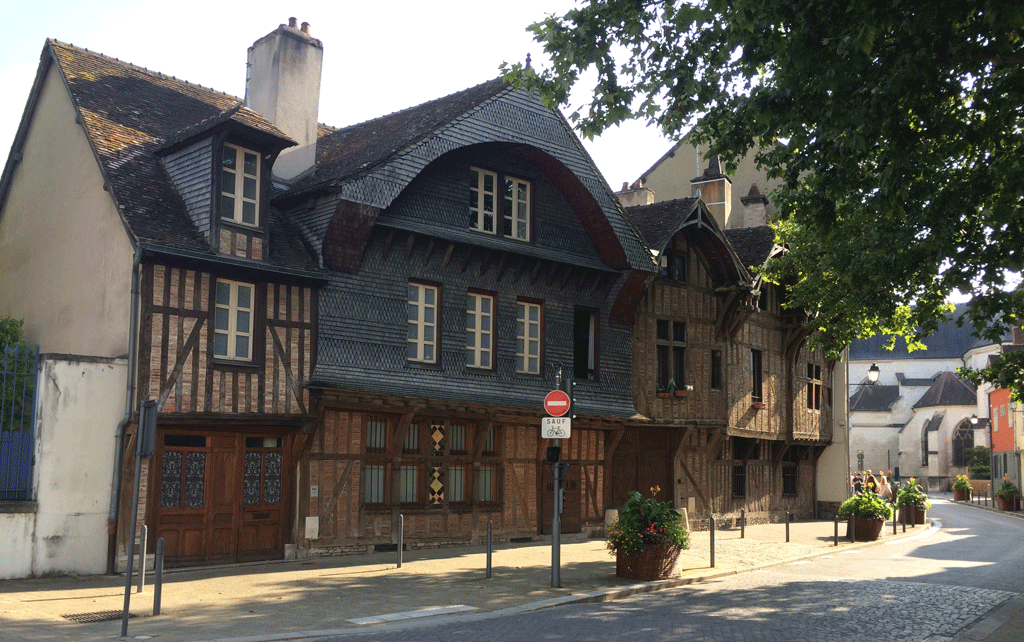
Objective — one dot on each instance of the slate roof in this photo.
(658, 222)
(876, 398)
(948, 342)
(343, 153)
(130, 115)
(752, 244)
(948, 390)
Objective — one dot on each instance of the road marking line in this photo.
(408, 615)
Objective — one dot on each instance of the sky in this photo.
(379, 57)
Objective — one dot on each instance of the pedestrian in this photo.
(884, 488)
(858, 483)
(870, 483)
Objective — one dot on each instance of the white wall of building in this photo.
(80, 402)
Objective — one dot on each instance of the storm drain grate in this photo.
(98, 616)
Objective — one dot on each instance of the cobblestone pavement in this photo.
(762, 606)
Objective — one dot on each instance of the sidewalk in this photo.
(308, 598)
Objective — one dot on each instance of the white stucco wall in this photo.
(65, 256)
(80, 402)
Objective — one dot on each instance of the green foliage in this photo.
(867, 504)
(1007, 490)
(646, 521)
(16, 388)
(979, 462)
(911, 494)
(961, 483)
(1005, 372)
(895, 128)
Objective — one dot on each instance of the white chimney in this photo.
(284, 87)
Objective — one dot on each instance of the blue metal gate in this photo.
(18, 368)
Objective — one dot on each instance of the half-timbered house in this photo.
(739, 407)
(338, 326)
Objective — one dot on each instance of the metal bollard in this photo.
(712, 521)
(904, 512)
(142, 558)
(789, 518)
(158, 571)
(835, 533)
(853, 529)
(913, 515)
(401, 533)
(894, 524)
(743, 523)
(490, 548)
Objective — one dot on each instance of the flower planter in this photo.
(653, 562)
(664, 395)
(1006, 504)
(961, 495)
(910, 514)
(867, 528)
(681, 393)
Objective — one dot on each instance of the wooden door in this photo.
(263, 493)
(571, 518)
(221, 496)
(642, 460)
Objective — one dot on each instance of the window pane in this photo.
(428, 353)
(485, 483)
(249, 187)
(251, 162)
(662, 330)
(242, 347)
(414, 293)
(249, 213)
(534, 313)
(227, 206)
(678, 331)
(374, 493)
(220, 319)
(228, 160)
(242, 323)
(220, 344)
(428, 295)
(456, 484)
(227, 180)
(245, 297)
(485, 359)
(223, 293)
(489, 183)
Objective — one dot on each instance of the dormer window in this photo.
(239, 198)
(495, 199)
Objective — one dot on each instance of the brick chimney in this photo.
(755, 207)
(635, 194)
(715, 189)
(283, 86)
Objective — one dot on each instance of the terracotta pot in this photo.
(653, 562)
(961, 495)
(867, 528)
(1006, 504)
(910, 515)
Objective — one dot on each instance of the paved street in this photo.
(958, 580)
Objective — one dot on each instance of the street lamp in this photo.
(873, 373)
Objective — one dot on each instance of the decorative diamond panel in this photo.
(436, 492)
(437, 439)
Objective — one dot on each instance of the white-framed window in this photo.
(528, 322)
(479, 330)
(232, 325)
(813, 387)
(483, 199)
(493, 196)
(239, 188)
(516, 208)
(422, 306)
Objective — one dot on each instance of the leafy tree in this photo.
(17, 381)
(895, 127)
(979, 462)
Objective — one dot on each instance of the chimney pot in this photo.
(293, 23)
(305, 28)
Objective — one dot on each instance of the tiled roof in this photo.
(949, 341)
(752, 244)
(948, 390)
(658, 221)
(343, 153)
(130, 114)
(876, 398)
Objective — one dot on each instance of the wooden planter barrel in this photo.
(1006, 504)
(910, 514)
(867, 528)
(961, 495)
(653, 562)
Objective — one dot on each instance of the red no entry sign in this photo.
(556, 403)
